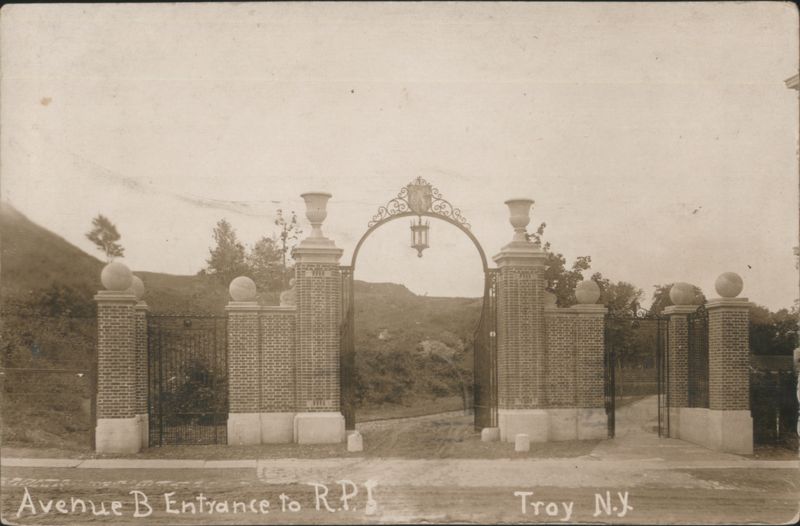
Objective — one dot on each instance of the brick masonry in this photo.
(728, 355)
(561, 360)
(116, 357)
(141, 358)
(590, 358)
(521, 344)
(319, 304)
(678, 360)
(277, 360)
(244, 378)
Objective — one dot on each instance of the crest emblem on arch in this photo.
(420, 196)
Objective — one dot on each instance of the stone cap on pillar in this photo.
(521, 254)
(682, 310)
(730, 303)
(317, 251)
(115, 296)
(240, 306)
(590, 309)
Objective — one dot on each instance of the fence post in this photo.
(677, 381)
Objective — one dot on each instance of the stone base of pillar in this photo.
(592, 423)
(319, 428)
(277, 428)
(118, 435)
(562, 424)
(144, 427)
(727, 431)
(244, 429)
(531, 422)
(675, 421)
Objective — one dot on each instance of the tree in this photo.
(772, 332)
(289, 233)
(561, 281)
(265, 262)
(105, 236)
(227, 259)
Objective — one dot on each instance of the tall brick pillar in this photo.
(591, 418)
(521, 361)
(244, 371)
(142, 374)
(318, 290)
(682, 296)
(730, 424)
(118, 427)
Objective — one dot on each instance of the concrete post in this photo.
(142, 374)
(678, 367)
(521, 362)
(118, 427)
(244, 375)
(318, 294)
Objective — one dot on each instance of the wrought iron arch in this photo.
(420, 198)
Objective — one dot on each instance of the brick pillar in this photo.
(142, 373)
(244, 375)
(118, 427)
(318, 282)
(678, 369)
(278, 350)
(592, 421)
(521, 361)
(730, 425)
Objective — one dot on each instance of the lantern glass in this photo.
(419, 235)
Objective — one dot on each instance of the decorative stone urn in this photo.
(682, 294)
(289, 296)
(520, 217)
(316, 211)
(242, 289)
(729, 285)
(116, 277)
(587, 292)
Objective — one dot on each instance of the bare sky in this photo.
(658, 138)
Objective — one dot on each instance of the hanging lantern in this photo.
(419, 235)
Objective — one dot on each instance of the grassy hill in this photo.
(412, 351)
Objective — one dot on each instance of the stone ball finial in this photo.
(550, 299)
(587, 292)
(242, 289)
(137, 288)
(682, 294)
(729, 285)
(116, 276)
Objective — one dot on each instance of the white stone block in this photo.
(144, 427)
(522, 443)
(244, 429)
(731, 431)
(277, 428)
(532, 422)
(355, 442)
(319, 428)
(490, 434)
(118, 435)
(693, 425)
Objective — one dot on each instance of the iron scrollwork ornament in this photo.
(421, 198)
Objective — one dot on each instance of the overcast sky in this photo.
(658, 138)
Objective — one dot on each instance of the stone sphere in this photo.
(137, 287)
(116, 276)
(550, 299)
(242, 289)
(682, 294)
(729, 285)
(587, 292)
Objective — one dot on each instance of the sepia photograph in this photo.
(399, 263)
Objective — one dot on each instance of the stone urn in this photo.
(316, 211)
(520, 210)
(289, 296)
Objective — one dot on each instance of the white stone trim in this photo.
(736, 303)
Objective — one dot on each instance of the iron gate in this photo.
(484, 389)
(188, 385)
(636, 364)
